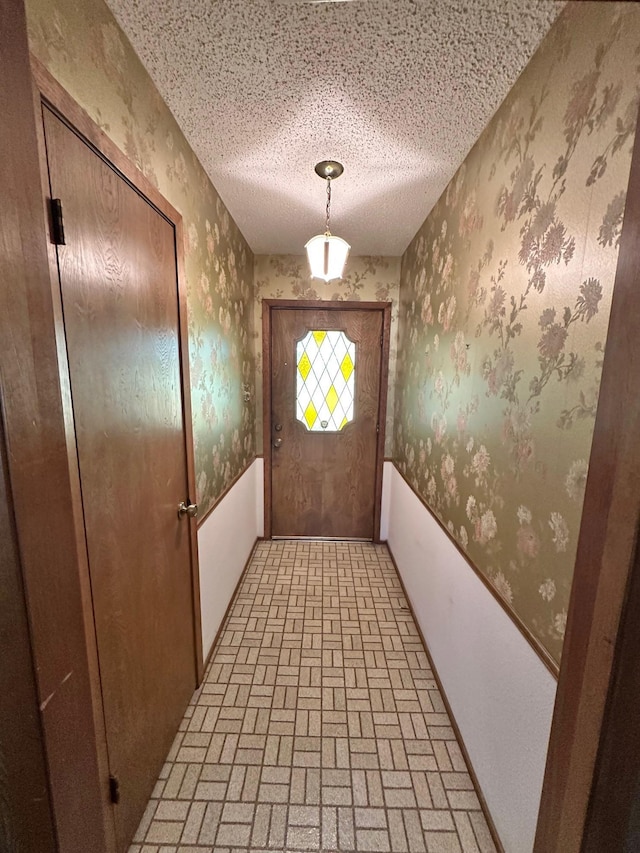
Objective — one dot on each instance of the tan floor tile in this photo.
(193, 823)
(442, 842)
(304, 816)
(436, 819)
(465, 833)
(303, 837)
(415, 833)
(146, 820)
(463, 800)
(482, 833)
(171, 810)
(346, 837)
(374, 840)
(277, 830)
(370, 818)
(164, 832)
(260, 830)
(319, 725)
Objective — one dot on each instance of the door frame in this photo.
(32, 454)
(588, 724)
(58, 589)
(270, 305)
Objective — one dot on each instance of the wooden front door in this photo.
(120, 308)
(325, 422)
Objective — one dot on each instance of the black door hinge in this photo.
(57, 223)
(114, 789)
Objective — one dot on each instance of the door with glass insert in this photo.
(326, 372)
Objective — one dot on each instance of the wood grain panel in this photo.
(40, 473)
(384, 387)
(613, 818)
(120, 303)
(55, 95)
(187, 426)
(323, 484)
(63, 104)
(26, 820)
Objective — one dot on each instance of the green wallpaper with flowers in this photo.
(82, 46)
(504, 305)
(366, 279)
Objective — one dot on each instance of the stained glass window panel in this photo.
(325, 381)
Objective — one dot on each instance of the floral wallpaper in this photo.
(83, 47)
(366, 279)
(505, 296)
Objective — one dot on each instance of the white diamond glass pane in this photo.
(325, 381)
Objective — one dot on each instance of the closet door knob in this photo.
(187, 509)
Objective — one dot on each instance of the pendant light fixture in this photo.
(327, 254)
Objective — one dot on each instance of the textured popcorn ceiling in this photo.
(397, 90)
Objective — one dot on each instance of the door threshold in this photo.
(325, 538)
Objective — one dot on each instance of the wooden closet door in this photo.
(120, 304)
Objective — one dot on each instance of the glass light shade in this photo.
(327, 256)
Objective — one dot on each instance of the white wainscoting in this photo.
(388, 470)
(500, 692)
(225, 541)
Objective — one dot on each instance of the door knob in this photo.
(277, 442)
(187, 509)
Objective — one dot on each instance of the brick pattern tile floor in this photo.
(319, 726)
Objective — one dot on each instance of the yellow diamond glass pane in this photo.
(310, 415)
(332, 398)
(346, 367)
(304, 366)
(325, 380)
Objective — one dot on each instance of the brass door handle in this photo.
(277, 442)
(187, 509)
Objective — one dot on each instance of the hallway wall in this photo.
(86, 51)
(502, 304)
(505, 295)
(366, 279)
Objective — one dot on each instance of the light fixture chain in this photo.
(327, 254)
(328, 202)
